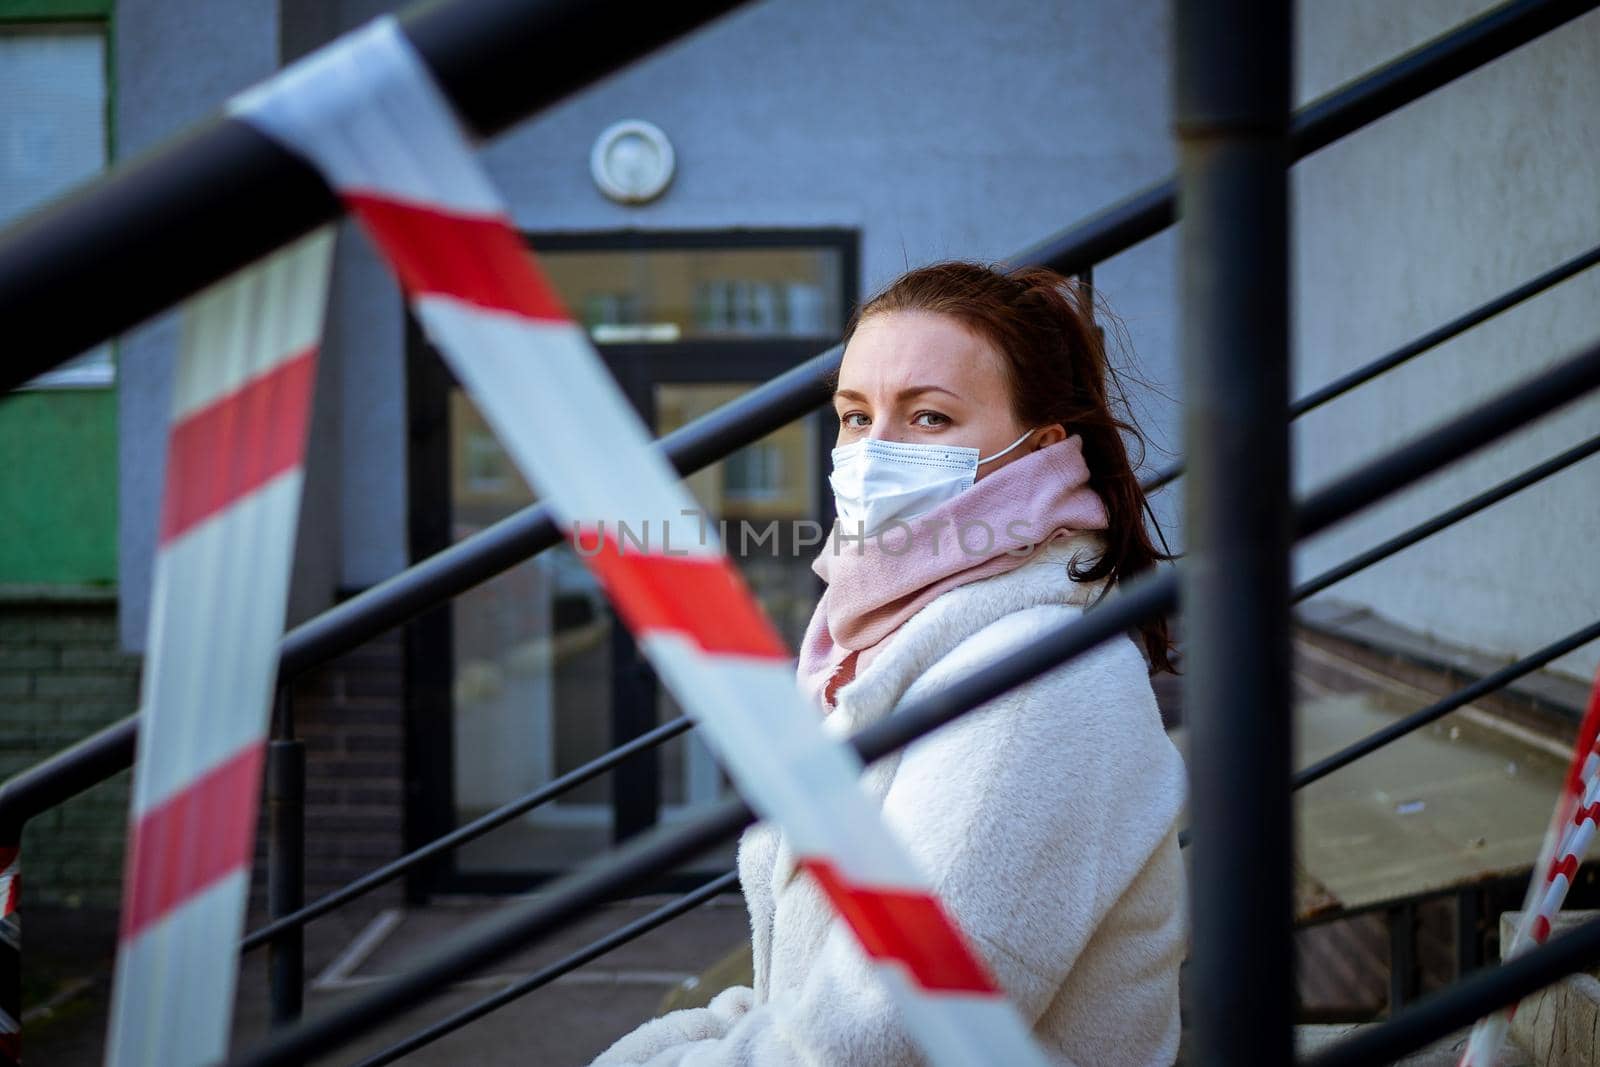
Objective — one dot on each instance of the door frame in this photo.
(429, 640)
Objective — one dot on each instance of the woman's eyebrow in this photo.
(904, 394)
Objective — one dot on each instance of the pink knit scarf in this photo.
(877, 583)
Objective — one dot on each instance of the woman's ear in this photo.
(1053, 434)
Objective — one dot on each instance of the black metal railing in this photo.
(495, 937)
(199, 189)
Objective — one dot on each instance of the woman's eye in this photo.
(847, 416)
(938, 419)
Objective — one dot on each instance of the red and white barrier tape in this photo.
(10, 962)
(1572, 828)
(242, 404)
(367, 113)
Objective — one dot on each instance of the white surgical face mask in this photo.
(876, 482)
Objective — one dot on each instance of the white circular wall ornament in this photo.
(632, 161)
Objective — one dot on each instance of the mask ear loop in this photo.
(1006, 449)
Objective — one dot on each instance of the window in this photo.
(664, 294)
(53, 136)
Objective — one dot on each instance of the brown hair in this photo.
(1054, 359)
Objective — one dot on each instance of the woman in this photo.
(985, 496)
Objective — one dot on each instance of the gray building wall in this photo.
(957, 130)
(938, 130)
(1408, 224)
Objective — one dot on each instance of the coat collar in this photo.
(952, 617)
(921, 642)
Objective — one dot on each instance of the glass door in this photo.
(759, 496)
(542, 677)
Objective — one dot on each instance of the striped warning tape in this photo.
(10, 956)
(241, 407)
(367, 113)
(1572, 828)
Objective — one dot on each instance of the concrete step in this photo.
(1559, 1025)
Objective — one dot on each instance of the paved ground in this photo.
(567, 1022)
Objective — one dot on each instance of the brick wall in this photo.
(62, 677)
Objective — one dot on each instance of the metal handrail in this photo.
(676, 727)
(1493, 495)
(610, 942)
(1406, 352)
(1155, 593)
(774, 404)
(1466, 1001)
(494, 937)
(616, 939)
(1435, 64)
(550, 972)
(1489, 683)
(1323, 121)
(425, 585)
(702, 441)
(471, 831)
(222, 195)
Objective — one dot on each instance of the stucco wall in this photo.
(973, 131)
(1406, 225)
(939, 130)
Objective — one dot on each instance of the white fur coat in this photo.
(1047, 821)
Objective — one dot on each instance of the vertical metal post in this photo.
(286, 793)
(1405, 976)
(10, 946)
(1469, 930)
(1231, 118)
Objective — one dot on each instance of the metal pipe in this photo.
(202, 206)
(221, 196)
(424, 585)
(550, 972)
(1231, 118)
(1464, 1002)
(1404, 971)
(1516, 406)
(661, 849)
(1437, 710)
(1322, 122)
(1469, 929)
(286, 867)
(97, 757)
(1423, 530)
(494, 937)
(1454, 328)
(299, 916)
(1429, 66)
(514, 539)
(1432, 339)
(67, 773)
(670, 730)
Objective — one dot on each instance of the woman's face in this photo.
(922, 377)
